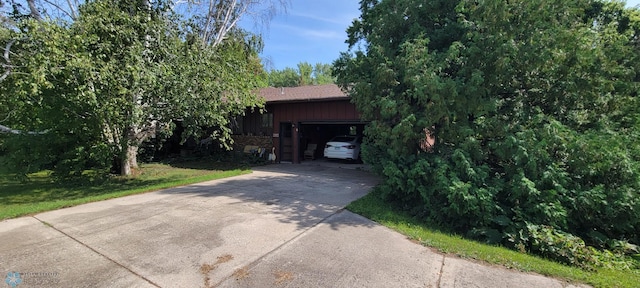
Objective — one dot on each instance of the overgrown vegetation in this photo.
(85, 90)
(374, 207)
(535, 112)
(42, 192)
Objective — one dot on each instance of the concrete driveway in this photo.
(281, 226)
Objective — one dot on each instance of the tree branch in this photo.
(33, 9)
(71, 14)
(6, 58)
(223, 15)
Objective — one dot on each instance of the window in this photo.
(267, 120)
(267, 124)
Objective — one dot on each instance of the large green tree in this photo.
(115, 76)
(287, 77)
(322, 74)
(305, 74)
(534, 110)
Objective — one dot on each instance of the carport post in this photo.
(296, 142)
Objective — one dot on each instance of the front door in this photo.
(286, 142)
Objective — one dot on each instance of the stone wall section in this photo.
(239, 141)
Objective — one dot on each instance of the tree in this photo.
(322, 74)
(304, 70)
(6, 56)
(37, 97)
(534, 108)
(215, 18)
(306, 74)
(118, 74)
(6, 26)
(287, 77)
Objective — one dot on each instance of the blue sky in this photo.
(313, 31)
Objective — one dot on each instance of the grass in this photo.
(373, 207)
(41, 193)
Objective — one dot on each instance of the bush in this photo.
(534, 109)
(558, 194)
(66, 156)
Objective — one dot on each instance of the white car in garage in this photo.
(343, 147)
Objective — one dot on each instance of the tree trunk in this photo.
(132, 156)
(125, 167)
(129, 160)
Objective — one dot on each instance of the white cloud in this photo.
(313, 33)
(342, 20)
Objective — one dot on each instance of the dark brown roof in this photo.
(303, 93)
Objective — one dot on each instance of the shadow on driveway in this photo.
(297, 194)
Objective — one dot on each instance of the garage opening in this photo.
(320, 132)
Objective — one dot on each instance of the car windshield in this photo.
(342, 139)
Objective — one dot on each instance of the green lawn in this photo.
(41, 193)
(374, 208)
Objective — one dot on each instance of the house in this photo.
(297, 116)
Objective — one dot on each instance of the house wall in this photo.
(266, 131)
(298, 112)
(254, 124)
(314, 111)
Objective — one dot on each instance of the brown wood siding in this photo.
(313, 111)
(296, 112)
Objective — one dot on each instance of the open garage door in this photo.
(320, 132)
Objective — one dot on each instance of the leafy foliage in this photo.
(306, 74)
(533, 106)
(287, 77)
(95, 89)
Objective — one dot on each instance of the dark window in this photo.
(267, 120)
(267, 123)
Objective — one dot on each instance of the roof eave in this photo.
(308, 100)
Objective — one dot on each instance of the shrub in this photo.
(534, 109)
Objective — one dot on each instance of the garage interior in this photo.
(320, 132)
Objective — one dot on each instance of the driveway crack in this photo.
(279, 247)
(441, 271)
(96, 251)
